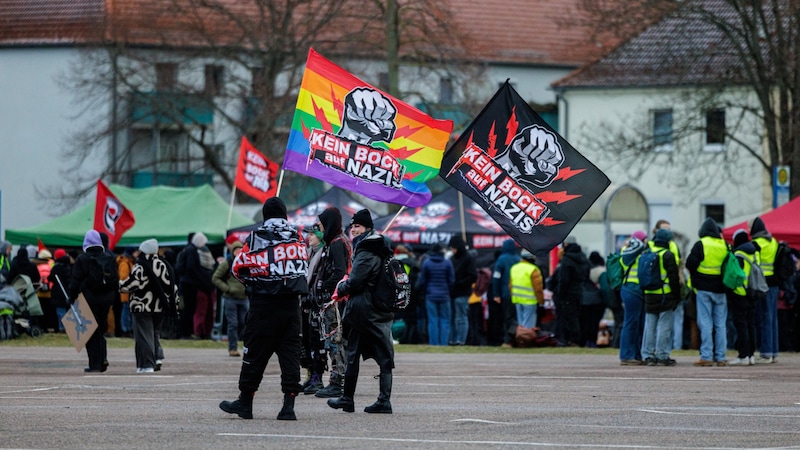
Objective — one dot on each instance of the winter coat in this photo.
(79, 281)
(465, 272)
(700, 281)
(227, 283)
(22, 265)
(502, 269)
(193, 273)
(336, 256)
(436, 278)
(572, 274)
(658, 303)
(367, 330)
(63, 270)
(145, 296)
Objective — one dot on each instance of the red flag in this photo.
(110, 215)
(256, 175)
(41, 244)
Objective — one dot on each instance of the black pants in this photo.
(189, 305)
(743, 312)
(272, 328)
(568, 329)
(96, 345)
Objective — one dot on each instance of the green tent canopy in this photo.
(166, 213)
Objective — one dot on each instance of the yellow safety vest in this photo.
(633, 273)
(521, 287)
(673, 248)
(714, 250)
(748, 264)
(767, 254)
(665, 289)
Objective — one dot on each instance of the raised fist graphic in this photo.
(533, 157)
(368, 117)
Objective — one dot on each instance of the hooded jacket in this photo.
(701, 281)
(145, 296)
(464, 268)
(502, 269)
(62, 269)
(573, 272)
(336, 255)
(79, 281)
(658, 303)
(767, 248)
(436, 278)
(22, 265)
(227, 283)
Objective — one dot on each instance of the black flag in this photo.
(523, 173)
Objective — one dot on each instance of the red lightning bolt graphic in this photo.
(404, 152)
(512, 126)
(306, 131)
(549, 222)
(338, 106)
(566, 173)
(319, 113)
(557, 197)
(492, 150)
(411, 175)
(405, 131)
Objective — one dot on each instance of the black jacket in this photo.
(63, 270)
(572, 273)
(704, 282)
(465, 270)
(79, 282)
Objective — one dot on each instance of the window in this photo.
(446, 91)
(715, 130)
(166, 76)
(383, 81)
(716, 212)
(662, 129)
(215, 79)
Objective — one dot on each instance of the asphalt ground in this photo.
(440, 400)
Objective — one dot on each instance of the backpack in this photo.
(784, 264)
(393, 289)
(732, 274)
(756, 282)
(103, 273)
(616, 273)
(650, 271)
(484, 281)
(8, 329)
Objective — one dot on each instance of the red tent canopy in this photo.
(782, 222)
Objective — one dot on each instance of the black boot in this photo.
(382, 406)
(287, 412)
(314, 384)
(243, 406)
(334, 389)
(345, 402)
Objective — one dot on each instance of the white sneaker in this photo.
(751, 360)
(145, 370)
(739, 362)
(765, 360)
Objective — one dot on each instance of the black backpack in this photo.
(650, 271)
(103, 273)
(784, 264)
(393, 289)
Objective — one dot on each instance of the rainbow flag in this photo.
(352, 135)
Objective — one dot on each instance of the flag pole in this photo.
(393, 218)
(280, 183)
(463, 221)
(230, 207)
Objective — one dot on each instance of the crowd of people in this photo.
(308, 296)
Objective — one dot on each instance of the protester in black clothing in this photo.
(573, 271)
(273, 265)
(99, 301)
(59, 277)
(367, 331)
(22, 265)
(465, 275)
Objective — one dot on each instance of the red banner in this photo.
(110, 215)
(256, 175)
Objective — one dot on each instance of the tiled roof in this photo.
(499, 31)
(681, 49)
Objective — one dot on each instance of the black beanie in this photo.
(364, 218)
(274, 208)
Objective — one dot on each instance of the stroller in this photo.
(19, 301)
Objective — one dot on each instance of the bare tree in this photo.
(706, 50)
(161, 74)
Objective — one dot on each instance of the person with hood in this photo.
(59, 279)
(234, 298)
(527, 288)
(197, 288)
(573, 271)
(150, 284)
(435, 279)
(502, 295)
(273, 266)
(23, 265)
(596, 296)
(705, 268)
(367, 330)
(465, 273)
(334, 264)
(659, 305)
(630, 342)
(98, 299)
(767, 309)
(741, 306)
(410, 316)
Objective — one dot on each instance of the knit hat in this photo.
(527, 255)
(596, 259)
(364, 218)
(740, 237)
(230, 240)
(570, 240)
(60, 253)
(640, 235)
(274, 208)
(149, 247)
(44, 254)
(92, 239)
(663, 236)
(199, 240)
